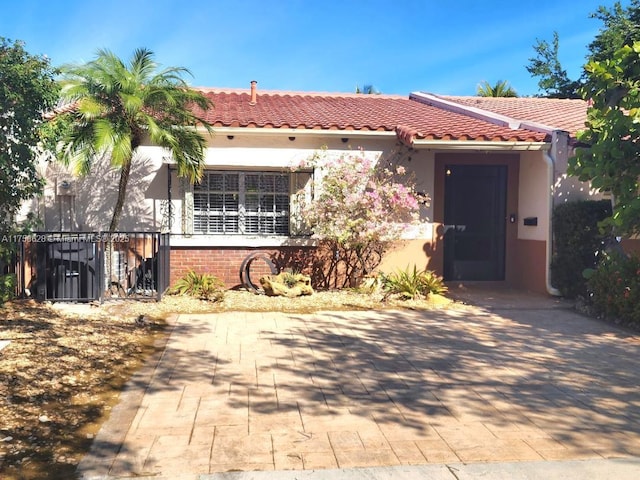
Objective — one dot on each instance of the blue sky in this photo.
(399, 46)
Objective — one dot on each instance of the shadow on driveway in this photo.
(273, 391)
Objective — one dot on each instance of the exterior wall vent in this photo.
(65, 186)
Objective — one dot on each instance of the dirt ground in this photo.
(63, 365)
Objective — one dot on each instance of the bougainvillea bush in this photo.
(361, 206)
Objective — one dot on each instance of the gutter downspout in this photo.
(551, 177)
(558, 153)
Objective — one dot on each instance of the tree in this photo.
(621, 26)
(500, 89)
(367, 90)
(611, 158)
(361, 207)
(117, 106)
(27, 89)
(554, 81)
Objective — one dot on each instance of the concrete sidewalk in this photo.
(468, 392)
(619, 469)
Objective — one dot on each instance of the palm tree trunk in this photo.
(125, 171)
(111, 279)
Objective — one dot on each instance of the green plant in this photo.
(413, 284)
(577, 243)
(615, 287)
(608, 155)
(118, 106)
(27, 89)
(289, 278)
(204, 286)
(7, 287)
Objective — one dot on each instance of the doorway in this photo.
(475, 222)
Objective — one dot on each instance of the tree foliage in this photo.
(500, 89)
(610, 159)
(367, 89)
(554, 81)
(27, 90)
(620, 26)
(117, 106)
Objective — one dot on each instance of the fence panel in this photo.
(90, 266)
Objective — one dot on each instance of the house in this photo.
(494, 168)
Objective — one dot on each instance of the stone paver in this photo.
(274, 391)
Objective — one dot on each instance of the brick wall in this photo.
(225, 262)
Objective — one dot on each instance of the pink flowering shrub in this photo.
(360, 207)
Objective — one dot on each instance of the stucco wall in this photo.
(269, 152)
(87, 205)
(534, 196)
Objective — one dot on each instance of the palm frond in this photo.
(119, 104)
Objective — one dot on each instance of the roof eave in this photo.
(508, 145)
(295, 132)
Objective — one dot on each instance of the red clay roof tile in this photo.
(562, 114)
(354, 112)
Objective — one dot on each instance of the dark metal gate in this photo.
(90, 266)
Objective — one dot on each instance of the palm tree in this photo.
(500, 89)
(117, 106)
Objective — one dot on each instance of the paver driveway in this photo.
(265, 391)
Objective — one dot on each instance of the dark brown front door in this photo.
(475, 222)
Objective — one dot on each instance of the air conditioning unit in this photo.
(65, 186)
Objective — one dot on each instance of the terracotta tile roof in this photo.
(560, 114)
(408, 118)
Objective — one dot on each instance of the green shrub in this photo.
(7, 287)
(203, 286)
(615, 287)
(289, 278)
(578, 243)
(413, 284)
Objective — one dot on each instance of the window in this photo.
(250, 203)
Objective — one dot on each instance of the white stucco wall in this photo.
(89, 204)
(536, 193)
(534, 196)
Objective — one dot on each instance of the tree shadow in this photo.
(564, 378)
(537, 375)
(91, 206)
